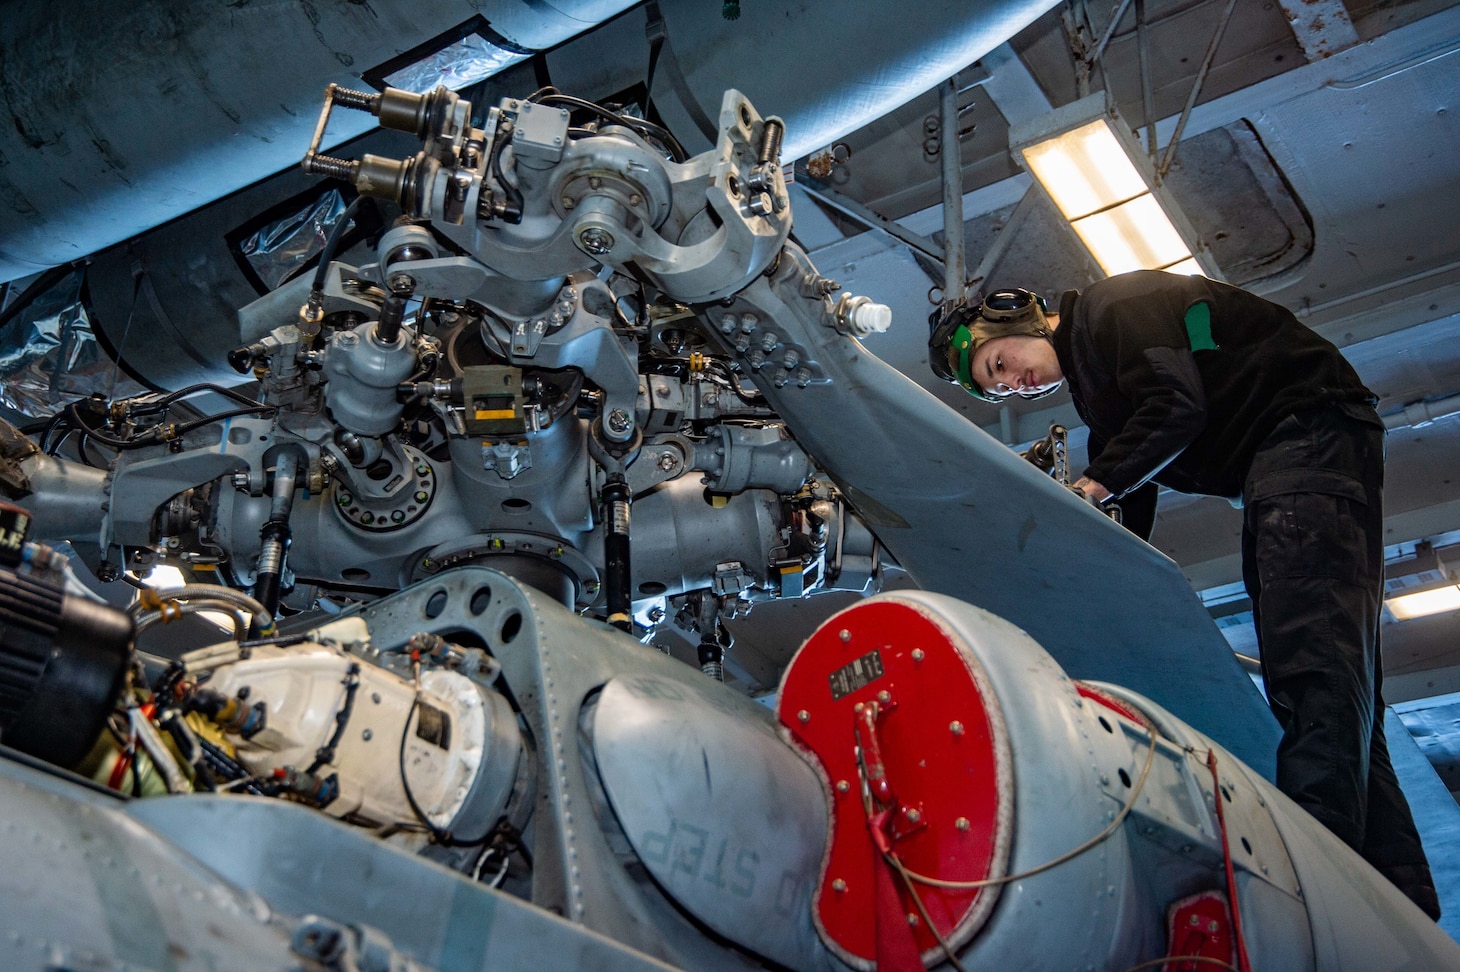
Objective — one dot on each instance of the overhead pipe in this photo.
(951, 156)
(1417, 415)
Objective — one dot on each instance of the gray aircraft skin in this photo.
(581, 389)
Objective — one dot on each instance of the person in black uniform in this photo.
(1205, 388)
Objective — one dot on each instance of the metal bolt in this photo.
(803, 716)
(768, 341)
(375, 697)
(842, 786)
(397, 516)
(955, 727)
(912, 920)
(803, 377)
(1212, 927)
(742, 342)
(781, 377)
(421, 496)
(401, 282)
(619, 421)
(961, 823)
(635, 199)
(748, 322)
(838, 885)
(594, 182)
(569, 202)
(884, 696)
(790, 359)
(595, 240)
(757, 358)
(727, 323)
(367, 517)
(1195, 920)
(844, 635)
(667, 462)
(918, 654)
(367, 735)
(913, 816)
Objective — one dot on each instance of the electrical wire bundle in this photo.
(116, 426)
(655, 133)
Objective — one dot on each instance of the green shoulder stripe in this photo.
(1199, 327)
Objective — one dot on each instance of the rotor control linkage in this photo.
(275, 535)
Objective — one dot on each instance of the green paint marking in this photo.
(1199, 327)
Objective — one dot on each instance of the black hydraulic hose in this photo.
(616, 501)
(332, 244)
(513, 211)
(155, 435)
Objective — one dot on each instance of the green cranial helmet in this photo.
(1003, 313)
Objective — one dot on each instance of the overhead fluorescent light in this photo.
(1419, 604)
(457, 59)
(1087, 160)
(1419, 585)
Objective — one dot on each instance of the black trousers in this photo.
(1313, 564)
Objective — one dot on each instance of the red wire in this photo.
(1242, 960)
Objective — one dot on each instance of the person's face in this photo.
(1019, 363)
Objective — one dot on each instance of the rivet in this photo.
(884, 696)
(844, 635)
(918, 654)
(367, 735)
(804, 716)
(914, 816)
(842, 786)
(1195, 920)
(1212, 927)
(912, 920)
(961, 823)
(838, 885)
(955, 727)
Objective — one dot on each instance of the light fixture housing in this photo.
(1420, 585)
(1087, 159)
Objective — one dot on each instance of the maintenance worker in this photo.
(1205, 388)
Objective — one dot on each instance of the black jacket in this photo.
(1169, 397)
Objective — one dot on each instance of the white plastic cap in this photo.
(870, 318)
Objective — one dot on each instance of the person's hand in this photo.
(1091, 489)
